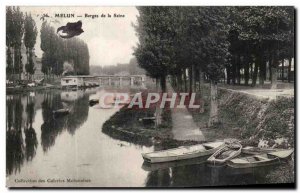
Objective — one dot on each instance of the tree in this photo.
(19, 31)
(269, 30)
(30, 33)
(57, 51)
(9, 40)
(14, 34)
(155, 52)
(215, 52)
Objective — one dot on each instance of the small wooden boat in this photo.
(164, 165)
(260, 160)
(183, 152)
(226, 153)
(61, 112)
(257, 150)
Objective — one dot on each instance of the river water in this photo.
(73, 151)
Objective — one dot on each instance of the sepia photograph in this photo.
(150, 96)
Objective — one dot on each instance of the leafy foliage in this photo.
(57, 50)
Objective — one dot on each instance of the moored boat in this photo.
(261, 159)
(183, 152)
(257, 150)
(172, 164)
(227, 152)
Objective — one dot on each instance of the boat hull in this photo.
(214, 160)
(252, 165)
(176, 158)
(264, 160)
(164, 165)
(195, 154)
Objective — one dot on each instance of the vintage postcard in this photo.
(150, 96)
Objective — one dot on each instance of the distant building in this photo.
(72, 81)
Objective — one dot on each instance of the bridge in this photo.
(110, 80)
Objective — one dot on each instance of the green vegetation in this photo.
(57, 51)
(21, 29)
(29, 41)
(14, 34)
(191, 45)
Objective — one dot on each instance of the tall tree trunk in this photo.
(228, 73)
(254, 76)
(179, 82)
(184, 79)
(274, 78)
(262, 68)
(213, 115)
(201, 81)
(190, 80)
(233, 70)
(270, 69)
(282, 70)
(289, 69)
(274, 66)
(174, 81)
(163, 83)
(238, 69)
(194, 78)
(247, 73)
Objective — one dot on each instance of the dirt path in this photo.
(265, 93)
(184, 127)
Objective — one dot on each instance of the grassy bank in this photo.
(127, 125)
(255, 121)
(258, 121)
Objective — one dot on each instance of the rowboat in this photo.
(173, 164)
(183, 152)
(257, 150)
(225, 153)
(260, 160)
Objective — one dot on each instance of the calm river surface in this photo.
(40, 147)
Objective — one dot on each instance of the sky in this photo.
(110, 40)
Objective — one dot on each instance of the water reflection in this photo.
(21, 137)
(201, 175)
(50, 127)
(14, 139)
(30, 134)
(35, 140)
(53, 126)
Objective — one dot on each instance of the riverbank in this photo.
(129, 124)
(16, 90)
(253, 120)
